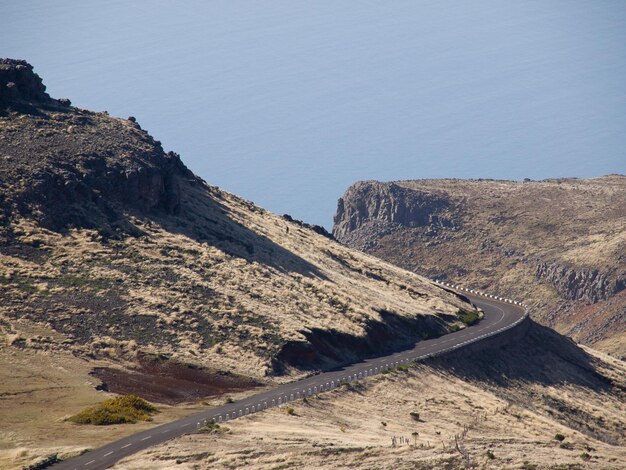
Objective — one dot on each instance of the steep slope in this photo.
(113, 254)
(559, 244)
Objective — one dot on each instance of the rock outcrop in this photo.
(69, 167)
(20, 86)
(590, 286)
(370, 202)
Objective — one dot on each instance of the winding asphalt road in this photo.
(500, 315)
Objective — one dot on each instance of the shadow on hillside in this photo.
(541, 356)
(205, 219)
(332, 350)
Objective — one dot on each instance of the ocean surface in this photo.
(289, 102)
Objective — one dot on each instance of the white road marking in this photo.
(129, 444)
(108, 453)
(147, 437)
(90, 462)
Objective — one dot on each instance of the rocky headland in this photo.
(560, 244)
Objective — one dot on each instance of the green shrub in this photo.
(119, 410)
(490, 455)
(469, 317)
(210, 427)
(566, 445)
(585, 456)
(559, 437)
(415, 415)
(289, 410)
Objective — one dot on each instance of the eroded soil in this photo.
(170, 382)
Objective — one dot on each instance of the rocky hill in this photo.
(114, 248)
(560, 244)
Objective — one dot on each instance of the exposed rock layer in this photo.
(590, 286)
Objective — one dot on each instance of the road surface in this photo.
(500, 314)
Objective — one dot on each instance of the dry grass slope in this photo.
(543, 403)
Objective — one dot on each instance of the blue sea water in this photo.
(288, 102)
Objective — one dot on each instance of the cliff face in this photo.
(590, 286)
(391, 204)
(559, 243)
(111, 248)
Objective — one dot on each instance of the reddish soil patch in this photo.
(163, 381)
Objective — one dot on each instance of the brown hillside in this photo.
(492, 409)
(115, 249)
(559, 244)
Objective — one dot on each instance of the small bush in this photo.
(415, 415)
(469, 317)
(585, 456)
(289, 410)
(566, 445)
(559, 437)
(490, 455)
(210, 427)
(119, 410)
(384, 424)
(229, 400)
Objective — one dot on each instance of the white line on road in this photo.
(90, 462)
(129, 444)
(147, 437)
(108, 453)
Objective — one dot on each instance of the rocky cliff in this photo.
(20, 86)
(559, 243)
(371, 201)
(590, 286)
